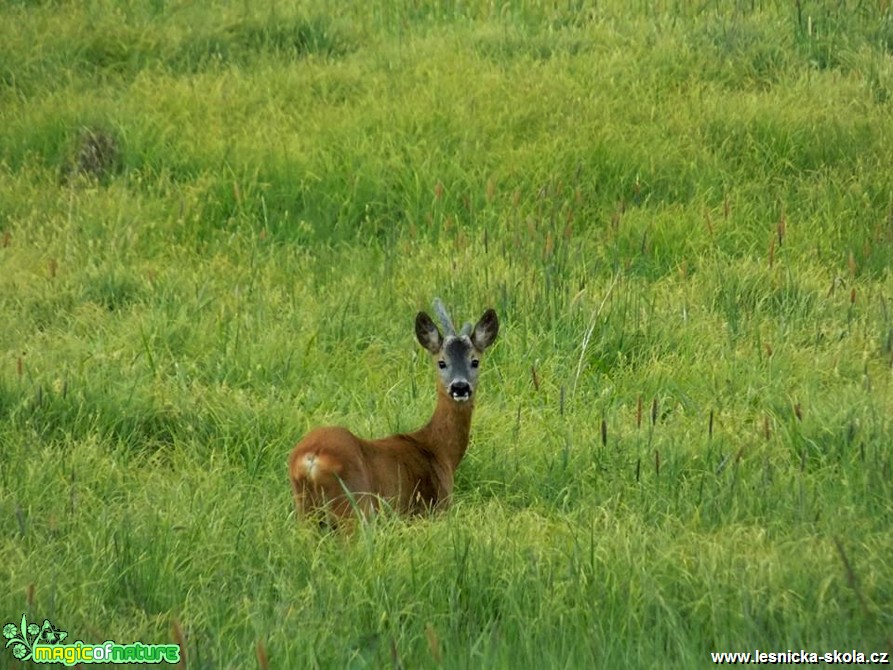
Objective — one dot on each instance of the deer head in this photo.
(457, 355)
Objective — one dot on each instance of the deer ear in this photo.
(485, 330)
(427, 333)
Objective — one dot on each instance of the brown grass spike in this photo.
(851, 578)
(179, 639)
(262, 660)
(433, 643)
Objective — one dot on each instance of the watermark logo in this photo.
(45, 644)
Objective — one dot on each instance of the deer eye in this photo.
(475, 363)
(441, 365)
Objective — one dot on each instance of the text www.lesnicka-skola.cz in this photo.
(797, 657)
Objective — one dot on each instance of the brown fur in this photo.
(413, 472)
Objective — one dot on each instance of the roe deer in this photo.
(333, 471)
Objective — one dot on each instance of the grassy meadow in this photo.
(218, 220)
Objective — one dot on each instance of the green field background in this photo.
(218, 221)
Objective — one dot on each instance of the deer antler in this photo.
(444, 317)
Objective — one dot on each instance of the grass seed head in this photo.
(261, 652)
(433, 643)
(179, 639)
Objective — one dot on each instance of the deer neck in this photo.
(446, 434)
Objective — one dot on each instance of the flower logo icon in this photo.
(23, 637)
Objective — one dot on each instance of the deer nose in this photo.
(460, 390)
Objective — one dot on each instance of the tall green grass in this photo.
(683, 216)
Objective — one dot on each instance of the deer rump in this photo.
(339, 473)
